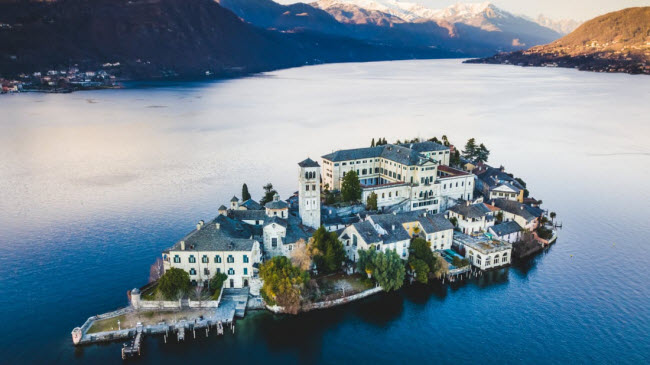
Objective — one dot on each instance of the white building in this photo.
(506, 191)
(482, 252)
(527, 216)
(472, 218)
(507, 231)
(222, 245)
(385, 232)
(309, 193)
(406, 176)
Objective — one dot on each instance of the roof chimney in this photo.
(199, 225)
(182, 245)
(217, 225)
(467, 203)
(393, 227)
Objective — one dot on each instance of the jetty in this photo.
(232, 304)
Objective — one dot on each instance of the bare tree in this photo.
(301, 255)
(156, 270)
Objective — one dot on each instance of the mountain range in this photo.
(615, 42)
(192, 38)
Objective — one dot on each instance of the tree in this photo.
(421, 270)
(499, 217)
(245, 195)
(174, 283)
(445, 141)
(216, 282)
(156, 270)
(434, 139)
(283, 283)
(553, 215)
(365, 261)
(269, 192)
(470, 149)
(454, 221)
(454, 159)
(372, 144)
(371, 202)
(521, 181)
(327, 251)
(389, 270)
(301, 255)
(351, 187)
(482, 153)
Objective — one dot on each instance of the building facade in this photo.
(309, 193)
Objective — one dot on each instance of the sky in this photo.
(556, 9)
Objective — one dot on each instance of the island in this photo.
(363, 221)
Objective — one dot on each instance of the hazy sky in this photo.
(574, 9)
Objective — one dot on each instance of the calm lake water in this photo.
(93, 185)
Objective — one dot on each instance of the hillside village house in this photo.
(528, 217)
(222, 245)
(473, 218)
(394, 231)
(483, 252)
(506, 231)
(406, 176)
(497, 184)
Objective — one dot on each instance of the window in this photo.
(307, 187)
(205, 259)
(478, 261)
(245, 271)
(245, 259)
(192, 259)
(217, 259)
(504, 259)
(354, 240)
(274, 242)
(231, 271)
(230, 259)
(177, 259)
(206, 271)
(192, 271)
(218, 271)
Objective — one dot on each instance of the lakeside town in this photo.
(363, 221)
(62, 81)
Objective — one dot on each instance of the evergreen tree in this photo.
(329, 251)
(371, 203)
(372, 144)
(434, 139)
(351, 187)
(269, 192)
(470, 149)
(482, 153)
(174, 283)
(245, 195)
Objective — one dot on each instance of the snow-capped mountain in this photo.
(562, 26)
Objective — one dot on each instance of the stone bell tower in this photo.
(309, 193)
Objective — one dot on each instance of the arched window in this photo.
(192, 259)
(231, 271)
(230, 259)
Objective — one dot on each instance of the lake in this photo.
(93, 185)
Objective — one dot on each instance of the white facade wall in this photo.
(510, 237)
(441, 240)
(484, 261)
(309, 196)
(455, 188)
(274, 240)
(471, 225)
(387, 195)
(238, 271)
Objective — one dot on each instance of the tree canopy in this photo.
(424, 262)
(474, 152)
(245, 195)
(269, 192)
(388, 270)
(174, 284)
(371, 202)
(283, 283)
(351, 187)
(328, 252)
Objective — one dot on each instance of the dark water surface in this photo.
(93, 185)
